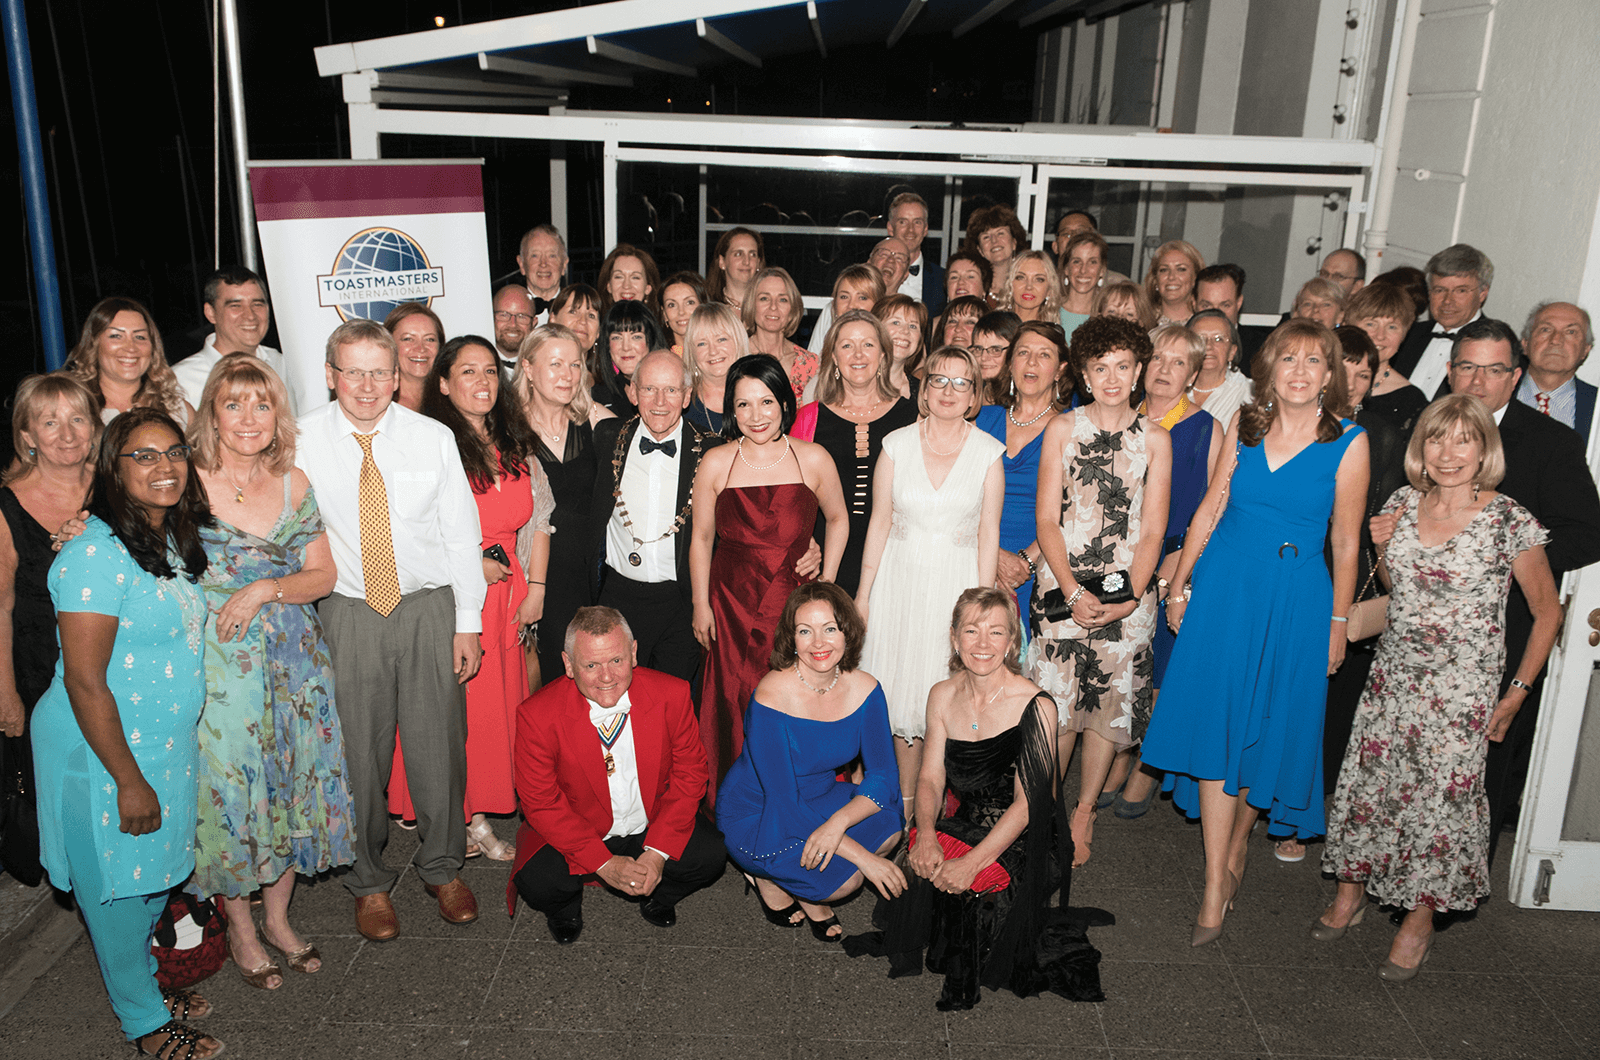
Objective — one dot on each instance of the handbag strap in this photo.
(1227, 484)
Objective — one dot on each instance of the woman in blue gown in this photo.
(789, 821)
(1036, 368)
(1241, 713)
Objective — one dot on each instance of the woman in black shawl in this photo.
(981, 878)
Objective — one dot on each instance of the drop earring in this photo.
(1321, 392)
(31, 450)
(1475, 488)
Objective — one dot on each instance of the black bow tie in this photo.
(540, 305)
(916, 270)
(1439, 334)
(648, 445)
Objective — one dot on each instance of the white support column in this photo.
(1079, 100)
(364, 131)
(1108, 66)
(1176, 15)
(701, 248)
(558, 186)
(608, 193)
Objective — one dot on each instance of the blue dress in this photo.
(784, 785)
(1248, 679)
(1017, 527)
(156, 677)
(1191, 446)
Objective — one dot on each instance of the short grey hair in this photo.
(1462, 260)
(546, 230)
(596, 622)
(1588, 326)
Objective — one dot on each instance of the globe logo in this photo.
(376, 270)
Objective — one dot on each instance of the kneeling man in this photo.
(610, 770)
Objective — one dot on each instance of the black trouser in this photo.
(662, 618)
(548, 884)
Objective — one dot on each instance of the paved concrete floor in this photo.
(723, 983)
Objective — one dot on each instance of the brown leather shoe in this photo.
(456, 903)
(375, 917)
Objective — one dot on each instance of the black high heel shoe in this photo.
(783, 918)
(819, 929)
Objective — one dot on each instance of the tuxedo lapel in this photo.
(648, 727)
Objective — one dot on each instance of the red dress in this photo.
(502, 682)
(762, 531)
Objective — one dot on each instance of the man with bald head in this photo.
(1558, 337)
(1346, 268)
(641, 517)
(513, 319)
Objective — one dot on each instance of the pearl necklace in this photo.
(845, 410)
(927, 441)
(763, 467)
(1048, 408)
(837, 673)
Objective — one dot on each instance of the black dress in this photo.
(855, 448)
(1402, 406)
(34, 649)
(1011, 938)
(572, 479)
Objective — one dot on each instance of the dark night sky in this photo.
(125, 109)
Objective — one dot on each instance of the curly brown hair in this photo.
(844, 613)
(1097, 337)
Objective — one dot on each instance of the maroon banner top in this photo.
(370, 189)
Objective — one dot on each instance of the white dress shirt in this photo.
(194, 370)
(820, 332)
(433, 517)
(1434, 364)
(912, 285)
(627, 805)
(1563, 399)
(649, 488)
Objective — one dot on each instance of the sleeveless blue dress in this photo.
(1017, 526)
(1191, 445)
(1248, 680)
(785, 784)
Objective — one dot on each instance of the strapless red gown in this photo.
(762, 531)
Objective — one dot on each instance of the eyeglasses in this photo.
(984, 352)
(147, 457)
(1217, 340)
(960, 382)
(505, 315)
(361, 375)
(888, 256)
(1493, 371)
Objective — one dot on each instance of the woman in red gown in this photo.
(756, 498)
(464, 392)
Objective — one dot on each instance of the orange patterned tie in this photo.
(377, 547)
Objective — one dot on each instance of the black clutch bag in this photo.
(1112, 587)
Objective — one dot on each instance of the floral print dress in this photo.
(1409, 815)
(1101, 678)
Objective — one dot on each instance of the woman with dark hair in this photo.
(274, 799)
(992, 336)
(1174, 270)
(681, 294)
(806, 837)
(772, 312)
(937, 493)
(1083, 270)
(714, 342)
(738, 256)
(978, 901)
(907, 322)
(628, 332)
(997, 234)
(54, 429)
(115, 744)
(756, 501)
(955, 324)
(856, 407)
(513, 493)
(1411, 280)
(1219, 387)
(1239, 727)
(418, 333)
(1105, 476)
(1409, 822)
(119, 357)
(1038, 369)
(629, 275)
(553, 389)
(577, 308)
(968, 274)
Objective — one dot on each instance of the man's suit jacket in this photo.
(561, 776)
(1411, 348)
(932, 284)
(1583, 415)
(607, 477)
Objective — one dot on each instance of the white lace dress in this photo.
(931, 558)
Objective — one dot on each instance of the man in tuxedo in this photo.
(1459, 277)
(1346, 268)
(610, 771)
(1547, 474)
(542, 260)
(641, 517)
(924, 280)
(514, 318)
(1558, 337)
(1221, 287)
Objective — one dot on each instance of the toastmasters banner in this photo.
(347, 240)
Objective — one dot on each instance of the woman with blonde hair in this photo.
(1409, 823)
(772, 312)
(1033, 288)
(1170, 283)
(856, 287)
(274, 798)
(119, 357)
(712, 342)
(1320, 300)
(1127, 300)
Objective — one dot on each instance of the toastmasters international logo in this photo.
(376, 270)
